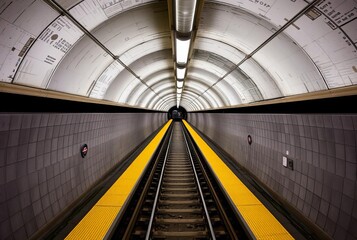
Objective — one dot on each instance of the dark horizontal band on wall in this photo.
(345, 104)
(17, 98)
(25, 103)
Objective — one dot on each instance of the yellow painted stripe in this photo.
(258, 218)
(98, 220)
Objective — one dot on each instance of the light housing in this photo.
(180, 73)
(184, 15)
(182, 50)
(179, 84)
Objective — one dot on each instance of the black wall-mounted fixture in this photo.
(250, 140)
(84, 150)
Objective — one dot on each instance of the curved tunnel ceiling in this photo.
(121, 51)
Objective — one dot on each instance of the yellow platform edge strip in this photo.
(258, 218)
(98, 220)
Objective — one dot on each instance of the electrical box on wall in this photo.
(288, 163)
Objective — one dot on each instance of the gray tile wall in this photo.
(322, 185)
(41, 170)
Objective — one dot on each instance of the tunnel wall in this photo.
(41, 169)
(322, 186)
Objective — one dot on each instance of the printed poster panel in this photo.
(43, 57)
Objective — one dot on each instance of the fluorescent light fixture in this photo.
(180, 73)
(179, 84)
(178, 96)
(182, 50)
(179, 90)
(184, 15)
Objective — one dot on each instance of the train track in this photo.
(178, 198)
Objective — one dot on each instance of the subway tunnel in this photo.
(269, 84)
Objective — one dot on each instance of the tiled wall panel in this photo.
(322, 185)
(41, 170)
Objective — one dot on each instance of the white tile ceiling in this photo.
(42, 49)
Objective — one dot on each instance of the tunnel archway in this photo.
(177, 114)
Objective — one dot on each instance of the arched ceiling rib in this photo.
(166, 100)
(188, 103)
(197, 88)
(202, 102)
(194, 96)
(243, 52)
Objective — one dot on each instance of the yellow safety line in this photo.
(257, 217)
(98, 220)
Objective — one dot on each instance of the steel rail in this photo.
(213, 237)
(223, 213)
(148, 232)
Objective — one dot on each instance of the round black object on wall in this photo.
(250, 140)
(84, 150)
